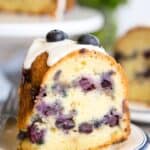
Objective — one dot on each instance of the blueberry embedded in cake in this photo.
(132, 51)
(78, 103)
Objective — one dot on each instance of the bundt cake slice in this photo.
(55, 8)
(133, 52)
(73, 96)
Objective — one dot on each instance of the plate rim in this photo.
(144, 143)
(72, 27)
(145, 138)
(139, 115)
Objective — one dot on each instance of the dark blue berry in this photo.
(119, 56)
(86, 84)
(85, 128)
(144, 74)
(147, 73)
(49, 109)
(88, 39)
(112, 118)
(146, 54)
(65, 122)
(106, 84)
(106, 80)
(36, 135)
(56, 35)
(22, 135)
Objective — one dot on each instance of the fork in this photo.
(9, 108)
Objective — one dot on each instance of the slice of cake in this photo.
(54, 8)
(73, 96)
(133, 52)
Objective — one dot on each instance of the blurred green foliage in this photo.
(106, 35)
(103, 4)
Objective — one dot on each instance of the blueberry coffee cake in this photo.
(54, 8)
(73, 96)
(133, 52)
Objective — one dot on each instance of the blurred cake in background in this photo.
(55, 8)
(133, 52)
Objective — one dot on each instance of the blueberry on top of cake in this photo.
(78, 99)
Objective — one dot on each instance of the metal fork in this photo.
(9, 108)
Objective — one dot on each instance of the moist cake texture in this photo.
(73, 96)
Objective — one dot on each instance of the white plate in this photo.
(136, 141)
(80, 20)
(140, 113)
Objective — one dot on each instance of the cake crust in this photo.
(39, 75)
(122, 39)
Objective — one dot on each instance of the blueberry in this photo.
(85, 128)
(49, 109)
(106, 84)
(144, 74)
(65, 122)
(146, 54)
(147, 73)
(56, 35)
(112, 118)
(88, 39)
(106, 80)
(22, 135)
(86, 84)
(36, 135)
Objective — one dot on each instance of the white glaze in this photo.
(55, 50)
(61, 6)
